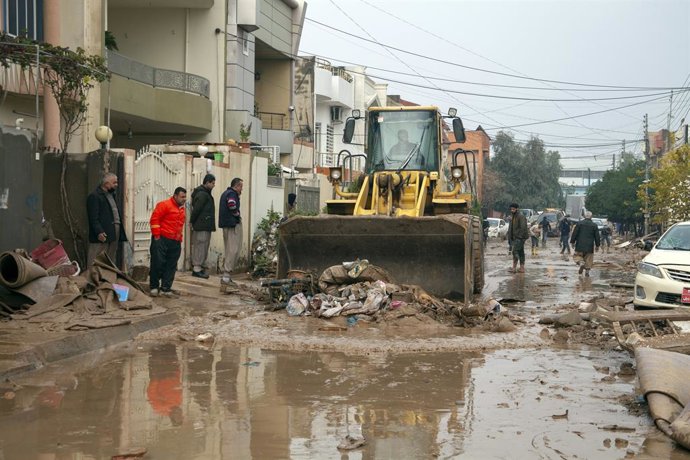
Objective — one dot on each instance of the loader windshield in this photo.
(405, 140)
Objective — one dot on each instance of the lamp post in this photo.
(103, 135)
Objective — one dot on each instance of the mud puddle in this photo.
(187, 401)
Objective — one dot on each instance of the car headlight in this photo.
(649, 269)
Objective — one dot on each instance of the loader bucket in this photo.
(433, 252)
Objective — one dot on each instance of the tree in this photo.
(669, 186)
(70, 75)
(526, 174)
(615, 195)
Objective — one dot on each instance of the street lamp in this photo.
(103, 135)
(202, 150)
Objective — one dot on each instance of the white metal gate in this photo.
(154, 181)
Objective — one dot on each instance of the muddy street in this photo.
(265, 385)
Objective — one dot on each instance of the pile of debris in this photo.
(264, 246)
(101, 297)
(364, 292)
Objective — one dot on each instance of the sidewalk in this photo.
(26, 346)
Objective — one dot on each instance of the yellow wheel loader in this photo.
(410, 216)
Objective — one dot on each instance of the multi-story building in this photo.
(190, 70)
(326, 97)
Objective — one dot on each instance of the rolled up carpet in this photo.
(16, 271)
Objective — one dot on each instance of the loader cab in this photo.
(403, 138)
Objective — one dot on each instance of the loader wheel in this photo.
(477, 255)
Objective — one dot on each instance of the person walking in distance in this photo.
(585, 236)
(606, 238)
(564, 229)
(534, 233)
(203, 221)
(167, 227)
(518, 234)
(105, 220)
(545, 229)
(230, 220)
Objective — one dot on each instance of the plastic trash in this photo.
(297, 305)
(351, 321)
(122, 292)
(357, 268)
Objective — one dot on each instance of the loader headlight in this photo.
(335, 174)
(456, 172)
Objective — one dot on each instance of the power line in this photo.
(478, 69)
(579, 116)
(516, 98)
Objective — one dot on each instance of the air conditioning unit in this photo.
(336, 113)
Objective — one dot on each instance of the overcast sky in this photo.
(617, 43)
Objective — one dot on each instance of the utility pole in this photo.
(646, 176)
(614, 161)
(670, 114)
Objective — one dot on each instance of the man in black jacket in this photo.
(585, 236)
(203, 221)
(105, 220)
(230, 220)
(518, 234)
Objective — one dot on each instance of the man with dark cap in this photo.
(518, 233)
(203, 222)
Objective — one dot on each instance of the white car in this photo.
(663, 276)
(498, 228)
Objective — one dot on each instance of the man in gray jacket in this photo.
(585, 236)
(518, 233)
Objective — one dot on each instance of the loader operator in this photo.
(403, 147)
(400, 151)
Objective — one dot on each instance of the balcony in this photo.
(163, 78)
(333, 84)
(163, 99)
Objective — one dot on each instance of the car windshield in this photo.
(493, 223)
(403, 140)
(677, 237)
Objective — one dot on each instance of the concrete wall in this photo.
(273, 89)
(275, 25)
(153, 36)
(84, 171)
(21, 191)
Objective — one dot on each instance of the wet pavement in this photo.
(192, 402)
(187, 400)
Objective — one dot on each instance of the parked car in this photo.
(498, 228)
(553, 218)
(663, 276)
(528, 213)
(601, 222)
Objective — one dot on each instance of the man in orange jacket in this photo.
(167, 226)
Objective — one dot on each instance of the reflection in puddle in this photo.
(189, 402)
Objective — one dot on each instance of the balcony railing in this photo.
(335, 71)
(161, 78)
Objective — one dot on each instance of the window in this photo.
(243, 37)
(329, 138)
(23, 17)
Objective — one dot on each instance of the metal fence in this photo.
(161, 78)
